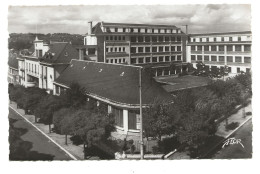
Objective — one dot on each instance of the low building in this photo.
(13, 75)
(118, 87)
(232, 49)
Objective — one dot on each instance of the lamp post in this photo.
(141, 115)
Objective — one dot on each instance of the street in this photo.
(27, 143)
(236, 151)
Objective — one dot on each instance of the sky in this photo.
(74, 19)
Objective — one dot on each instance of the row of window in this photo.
(115, 38)
(141, 30)
(115, 49)
(156, 59)
(155, 49)
(237, 59)
(221, 39)
(155, 39)
(116, 60)
(32, 68)
(221, 48)
(238, 70)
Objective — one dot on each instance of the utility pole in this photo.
(141, 115)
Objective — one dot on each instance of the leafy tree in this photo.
(158, 119)
(224, 71)
(89, 126)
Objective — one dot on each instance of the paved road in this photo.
(31, 144)
(236, 151)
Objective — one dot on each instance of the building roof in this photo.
(224, 33)
(12, 61)
(171, 84)
(138, 25)
(113, 82)
(60, 53)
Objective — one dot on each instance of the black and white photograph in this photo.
(167, 82)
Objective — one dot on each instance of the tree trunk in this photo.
(35, 119)
(84, 146)
(244, 112)
(49, 127)
(66, 139)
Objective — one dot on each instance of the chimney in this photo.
(89, 27)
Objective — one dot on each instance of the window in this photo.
(229, 58)
(123, 29)
(119, 37)
(141, 60)
(147, 39)
(115, 60)
(111, 49)
(140, 49)
(178, 57)
(193, 57)
(154, 39)
(222, 39)
(119, 60)
(206, 58)
(148, 59)
(230, 39)
(178, 39)
(199, 48)
(161, 59)
(173, 39)
(239, 39)
(132, 120)
(112, 61)
(107, 38)
(214, 58)
(192, 48)
(133, 60)
(207, 39)
(229, 69)
(167, 48)
(221, 47)
(229, 48)
(119, 49)
(139, 30)
(160, 49)
(111, 37)
(221, 58)
(116, 29)
(247, 59)
(247, 47)
(238, 70)
(167, 39)
(237, 47)
(145, 30)
(147, 49)
(172, 48)
(238, 59)
(123, 49)
(159, 30)
(118, 113)
(173, 58)
(115, 49)
(199, 57)
(154, 59)
(178, 48)
(160, 39)
(140, 39)
(206, 48)
(152, 30)
(133, 39)
(200, 39)
(123, 37)
(154, 49)
(106, 49)
(131, 30)
(133, 49)
(215, 39)
(167, 58)
(213, 48)
(247, 70)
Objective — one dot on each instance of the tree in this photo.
(46, 108)
(224, 71)
(192, 132)
(89, 126)
(158, 119)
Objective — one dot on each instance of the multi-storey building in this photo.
(232, 49)
(136, 44)
(45, 64)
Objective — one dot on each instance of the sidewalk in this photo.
(237, 117)
(76, 151)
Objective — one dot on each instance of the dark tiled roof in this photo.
(117, 83)
(12, 61)
(60, 53)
